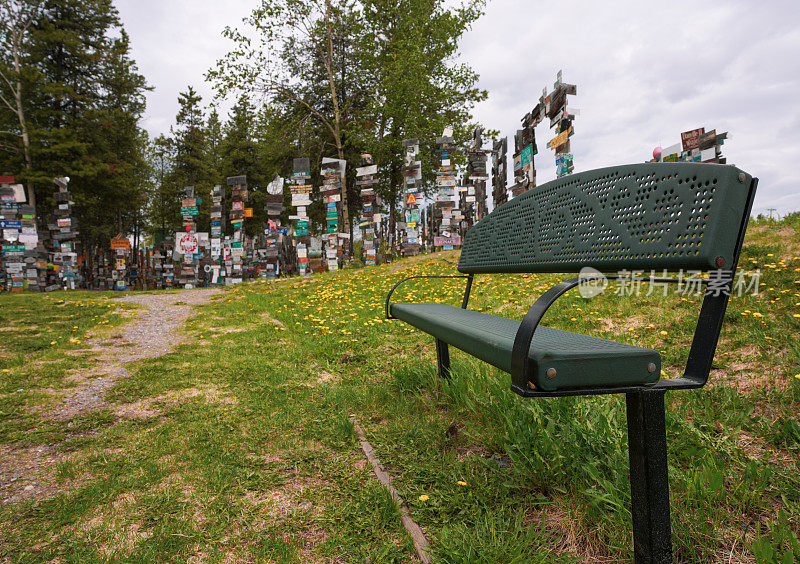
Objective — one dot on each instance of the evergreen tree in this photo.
(240, 157)
(84, 98)
(191, 159)
(214, 140)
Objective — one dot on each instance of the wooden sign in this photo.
(559, 139)
(123, 243)
(690, 139)
(365, 170)
(237, 180)
(248, 212)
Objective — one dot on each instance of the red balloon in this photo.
(657, 152)
(188, 228)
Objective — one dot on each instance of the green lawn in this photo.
(240, 446)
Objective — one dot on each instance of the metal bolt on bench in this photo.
(665, 216)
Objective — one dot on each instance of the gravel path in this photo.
(153, 331)
(28, 473)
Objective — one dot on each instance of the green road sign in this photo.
(526, 155)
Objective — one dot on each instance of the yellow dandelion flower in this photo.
(797, 376)
(423, 497)
(796, 315)
(461, 483)
(662, 332)
(6, 370)
(756, 314)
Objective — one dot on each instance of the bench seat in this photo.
(579, 360)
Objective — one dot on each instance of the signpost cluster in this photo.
(234, 256)
(121, 249)
(64, 237)
(411, 226)
(367, 178)
(445, 226)
(333, 192)
(561, 117)
(187, 242)
(301, 198)
(499, 170)
(23, 256)
(554, 107)
(192, 258)
(267, 255)
(696, 145)
(477, 176)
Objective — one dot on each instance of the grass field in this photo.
(239, 445)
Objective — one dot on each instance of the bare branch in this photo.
(288, 93)
(6, 102)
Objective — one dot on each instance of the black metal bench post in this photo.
(647, 446)
(443, 359)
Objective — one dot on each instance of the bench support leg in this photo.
(647, 446)
(443, 359)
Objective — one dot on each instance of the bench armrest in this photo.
(524, 337)
(701, 353)
(464, 302)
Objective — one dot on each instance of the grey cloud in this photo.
(645, 72)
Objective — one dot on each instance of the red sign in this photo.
(6, 180)
(442, 241)
(690, 139)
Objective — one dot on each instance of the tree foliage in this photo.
(351, 77)
(82, 98)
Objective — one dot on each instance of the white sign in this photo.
(367, 170)
(342, 165)
(186, 243)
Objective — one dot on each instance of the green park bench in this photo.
(642, 217)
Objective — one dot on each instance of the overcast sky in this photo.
(645, 72)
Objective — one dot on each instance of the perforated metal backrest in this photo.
(642, 216)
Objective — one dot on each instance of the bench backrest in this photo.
(643, 216)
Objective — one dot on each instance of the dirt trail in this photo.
(153, 331)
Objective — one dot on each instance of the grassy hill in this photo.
(240, 445)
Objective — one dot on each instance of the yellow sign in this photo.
(248, 212)
(122, 243)
(560, 139)
(121, 264)
(411, 199)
